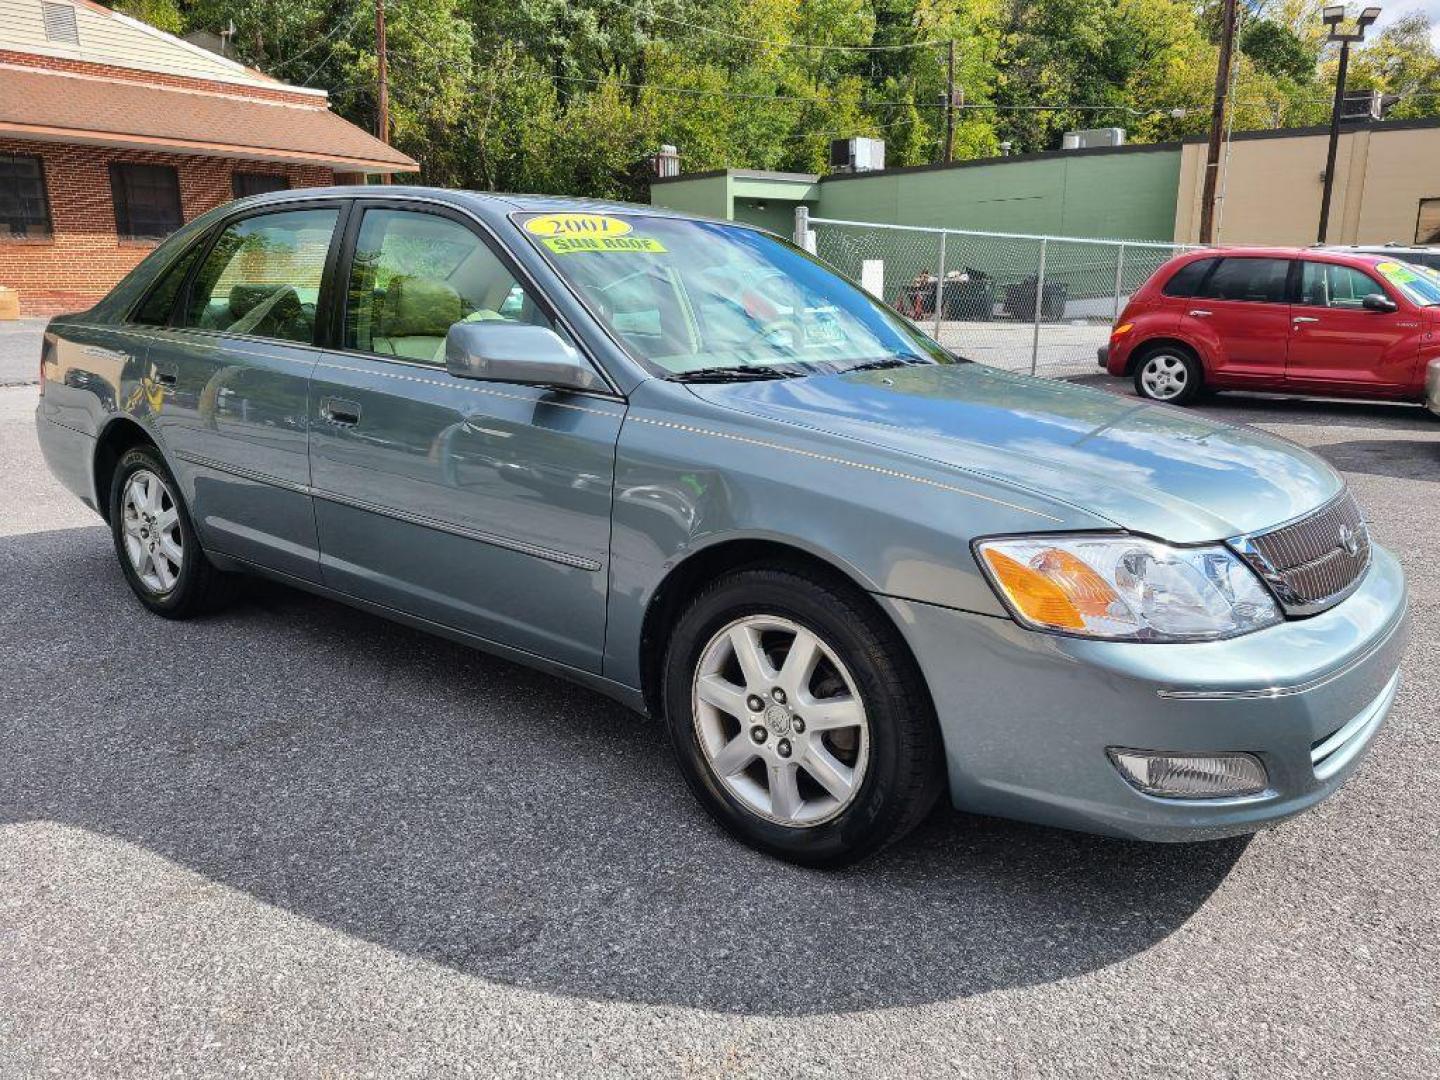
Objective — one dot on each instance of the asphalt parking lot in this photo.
(293, 839)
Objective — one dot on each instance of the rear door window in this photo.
(1255, 280)
(262, 276)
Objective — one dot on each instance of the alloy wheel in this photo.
(151, 527)
(780, 720)
(1165, 376)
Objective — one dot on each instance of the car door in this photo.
(233, 370)
(477, 505)
(1241, 317)
(1338, 344)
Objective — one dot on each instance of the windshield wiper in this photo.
(731, 374)
(881, 365)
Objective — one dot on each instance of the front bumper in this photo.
(1027, 717)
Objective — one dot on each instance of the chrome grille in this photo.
(1313, 563)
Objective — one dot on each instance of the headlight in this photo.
(1126, 588)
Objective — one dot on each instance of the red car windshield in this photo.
(1420, 285)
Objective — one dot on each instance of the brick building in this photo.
(112, 134)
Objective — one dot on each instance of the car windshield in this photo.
(1420, 284)
(703, 300)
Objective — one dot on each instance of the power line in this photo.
(848, 134)
(743, 96)
(345, 25)
(735, 95)
(717, 32)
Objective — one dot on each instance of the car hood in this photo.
(1148, 468)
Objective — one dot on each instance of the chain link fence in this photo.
(1037, 304)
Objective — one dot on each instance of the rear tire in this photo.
(156, 542)
(1170, 374)
(843, 755)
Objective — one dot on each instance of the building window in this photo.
(1427, 225)
(257, 183)
(24, 206)
(60, 23)
(147, 200)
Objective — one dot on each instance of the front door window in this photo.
(416, 275)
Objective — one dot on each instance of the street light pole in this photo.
(1334, 146)
(1333, 16)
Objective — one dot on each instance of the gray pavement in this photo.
(295, 840)
(20, 351)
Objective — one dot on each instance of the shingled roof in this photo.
(65, 107)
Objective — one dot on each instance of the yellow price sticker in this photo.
(576, 225)
(567, 245)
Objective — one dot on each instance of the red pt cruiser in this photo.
(1299, 321)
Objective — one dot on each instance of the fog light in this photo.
(1190, 776)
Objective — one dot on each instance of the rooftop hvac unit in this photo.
(1083, 140)
(857, 155)
(665, 162)
(1363, 105)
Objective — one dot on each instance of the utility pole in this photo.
(1333, 16)
(950, 104)
(382, 65)
(1217, 125)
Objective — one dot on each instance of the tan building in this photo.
(113, 134)
(1387, 186)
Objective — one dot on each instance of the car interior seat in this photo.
(416, 314)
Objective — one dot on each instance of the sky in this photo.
(1393, 11)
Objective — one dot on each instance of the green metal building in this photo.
(1123, 193)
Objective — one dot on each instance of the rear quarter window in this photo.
(1187, 280)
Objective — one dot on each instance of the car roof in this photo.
(1324, 254)
(486, 203)
(1414, 249)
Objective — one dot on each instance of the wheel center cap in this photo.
(777, 719)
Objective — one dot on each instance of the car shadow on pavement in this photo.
(466, 811)
(1398, 458)
(1268, 410)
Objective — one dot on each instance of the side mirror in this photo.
(1378, 302)
(507, 352)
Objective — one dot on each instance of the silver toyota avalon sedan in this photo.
(683, 463)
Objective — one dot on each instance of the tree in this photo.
(1277, 51)
(571, 96)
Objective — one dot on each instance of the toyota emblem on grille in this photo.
(1349, 541)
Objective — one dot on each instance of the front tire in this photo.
(156, 543)
(799, 718)
(1169, 374)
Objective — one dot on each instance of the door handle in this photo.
(1199, 313)
(1304, 318)
(340, 412)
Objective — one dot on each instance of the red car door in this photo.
(1339, 345)
(1241, 320)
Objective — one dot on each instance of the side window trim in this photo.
(335, 321)
(327, 277)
